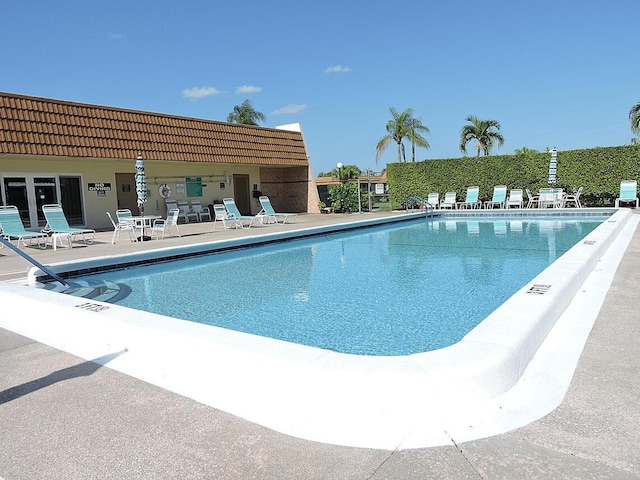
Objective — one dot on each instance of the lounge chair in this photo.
(120, 226)
(628, 192)
(161, 226)
(433, 199)
(11, 227)
(471, 200)
(200, 211)
(499, 197)
(575, 198)
(267, 209)
(171, 204)
(515, 198)
(186, 212)
(57, 225)
(245, 221)
(449, 200)
(221, 215)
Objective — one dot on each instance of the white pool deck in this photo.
(512, 369)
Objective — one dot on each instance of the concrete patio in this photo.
(62, 417)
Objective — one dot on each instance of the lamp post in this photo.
(339, 167)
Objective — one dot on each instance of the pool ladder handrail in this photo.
(413, 200)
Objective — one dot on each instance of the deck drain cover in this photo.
(539, 289)
(589, 242)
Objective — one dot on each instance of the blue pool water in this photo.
(390, 290)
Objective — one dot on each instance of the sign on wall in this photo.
(100, 188)
(194, 186)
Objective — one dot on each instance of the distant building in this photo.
(83, 157)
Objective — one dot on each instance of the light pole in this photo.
(339, 167)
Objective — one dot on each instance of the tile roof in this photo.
(42, 126)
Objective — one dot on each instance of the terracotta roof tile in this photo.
(40, 126)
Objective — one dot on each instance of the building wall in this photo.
(104, 171)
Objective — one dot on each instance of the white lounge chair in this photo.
(499, 197)
(11, 227)
(434, 200)
(57, 225)
(471, 200)
(245, 221)
(532, 199)
(449, 200)
(267, 209)
(515, 198)
(628, 192)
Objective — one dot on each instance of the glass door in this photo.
(45, 194)
(15, 189)
(28, 194)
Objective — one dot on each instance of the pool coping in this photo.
(312, 393)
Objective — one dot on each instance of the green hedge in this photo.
(598, 170)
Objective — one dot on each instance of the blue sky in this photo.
(557, 73)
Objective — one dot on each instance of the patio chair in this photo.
(11, 227)
(449, 200)
(499, 197)
(575, 198)
(186, 212)
(245, 221)
(515, 198)
(433, 199)
(267, 209)
(120, 226)
(161, 226)
(200, 211)
(471, 200)
(532, 199)
(628, 192)
(57, 225)
(220, 214)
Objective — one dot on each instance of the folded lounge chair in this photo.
(628, 192)
(267, 209)
(499, 197)
(57, 224)
(200, 211)
(11, 227)
(245, 221)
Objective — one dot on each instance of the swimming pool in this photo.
(388, 290)
(508, 371)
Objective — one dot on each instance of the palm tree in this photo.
(634, 118)
(525, 151)
(245, 114)
(486, 132)
(415, 127)
(397, 129)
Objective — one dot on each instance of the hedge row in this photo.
(598, 170)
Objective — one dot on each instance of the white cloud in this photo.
(196, 93)
(248, 89)
(337, 69)
(289, 109)
(117, 36)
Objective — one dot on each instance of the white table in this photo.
(144, 221)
